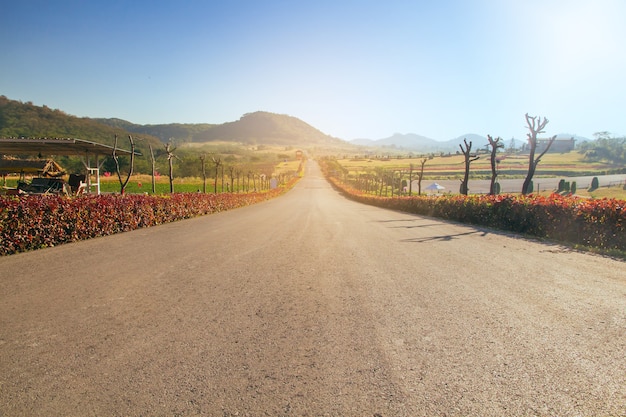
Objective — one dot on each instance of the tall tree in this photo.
(535, 126)
(203, 161)
(421, 176)
(218, 162)
(469, 158)
(410, 178)
(153, 161)
(231, 172)
(170, 159)
(124, 183)
(495, 145)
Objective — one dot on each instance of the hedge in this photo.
(598, 223)
(38, 221)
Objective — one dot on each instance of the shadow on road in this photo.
(407, 220)
(443, 238)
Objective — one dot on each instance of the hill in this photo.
(478, 142)
(258, 128)
(19, 119)
(267, 128)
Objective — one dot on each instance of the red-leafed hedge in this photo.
(588, 222)
(34, 222)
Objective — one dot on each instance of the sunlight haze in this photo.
(353, 69)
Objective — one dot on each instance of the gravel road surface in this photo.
(312, 305)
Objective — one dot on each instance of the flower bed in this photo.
(589, 222)
(40, 221)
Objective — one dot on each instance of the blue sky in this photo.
(353, 69)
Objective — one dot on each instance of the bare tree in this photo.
(218, 162)
(222, 189)
(124, 183)
(421, 176)
(202, 159)
(238, 173)
(170, 159)
(495, 145)
(153, 160)
(380, 175)
(535, 126)
(231, 173)
(469, 158)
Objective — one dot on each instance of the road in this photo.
(312, 305)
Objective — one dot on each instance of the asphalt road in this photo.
(312, 305)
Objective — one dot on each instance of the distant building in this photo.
(558, 146)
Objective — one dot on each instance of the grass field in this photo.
(143, 183)
(509, 166)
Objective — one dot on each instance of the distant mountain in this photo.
(266, 128)
(252, 128)
(408, 141)
(414, 142)
(478, 141)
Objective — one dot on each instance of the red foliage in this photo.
(39, 221)
(589, 222)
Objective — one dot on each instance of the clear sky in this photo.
(353, 69)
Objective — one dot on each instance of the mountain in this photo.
(252, 128)
(408, 141)
(412, 141)
(266, 128)
(478, 141)
(19, 119)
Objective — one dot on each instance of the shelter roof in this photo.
(55, 146)
(30, 166)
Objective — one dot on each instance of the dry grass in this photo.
(509, 165)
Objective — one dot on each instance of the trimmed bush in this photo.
(589, 222)
(39, 221)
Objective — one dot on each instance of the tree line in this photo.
(228, 174)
